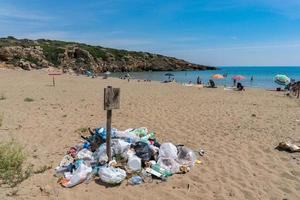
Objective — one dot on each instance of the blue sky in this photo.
(214, 32)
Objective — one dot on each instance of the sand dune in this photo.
(238, 131)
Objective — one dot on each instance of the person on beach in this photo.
(240, 87)
(234, 82)
(251, 79)
(199, 82)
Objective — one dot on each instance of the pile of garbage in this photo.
(136, 155)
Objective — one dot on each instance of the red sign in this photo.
(54, 74)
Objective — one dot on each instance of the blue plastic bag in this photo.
(102, 133)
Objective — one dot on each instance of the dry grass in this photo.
(42, 169)
(82, 130)
(1, 119)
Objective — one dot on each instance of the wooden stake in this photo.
(108, 134)
(53, 81)
(111, 101)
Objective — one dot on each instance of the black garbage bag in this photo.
(142, 151)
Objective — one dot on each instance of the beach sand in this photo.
(237, 130)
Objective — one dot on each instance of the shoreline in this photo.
(116, 78)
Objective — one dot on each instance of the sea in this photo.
(263, 77)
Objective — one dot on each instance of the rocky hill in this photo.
(37, 54)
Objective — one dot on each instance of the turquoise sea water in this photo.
(263, 76)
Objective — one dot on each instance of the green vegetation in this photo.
(11, 41)
(137, 54)
(52, 53)
(95, 51)
(11, 164)
(16, 59)
(32, 60)
(28, 99)
(118, 53)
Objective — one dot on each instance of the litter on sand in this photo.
(136, 156)
(288, 146)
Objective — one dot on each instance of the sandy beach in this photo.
(237, 130)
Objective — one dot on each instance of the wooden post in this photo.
(108, 134)
(53, 74)
(111, 101)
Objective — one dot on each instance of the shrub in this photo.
(52, 53)
(97, 52)
(32, 60)
(27, 99)
(11, 164)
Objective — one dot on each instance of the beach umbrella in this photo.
(169, 75)
(217, 76)
(282, 79)
(238, 77)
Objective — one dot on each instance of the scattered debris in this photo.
(288, 146)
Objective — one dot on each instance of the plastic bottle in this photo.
(79, 146)
(134, 163)
(135, 180)
(59, 171)
(164, 172)
(147, 177)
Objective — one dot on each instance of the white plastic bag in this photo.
(85, 154)
(127, 135)
(78, 176)
(169, 164)
(186, 156)
(112, 175)
(101, 155)
(119, 147)
(66, 161)
(168, 150)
